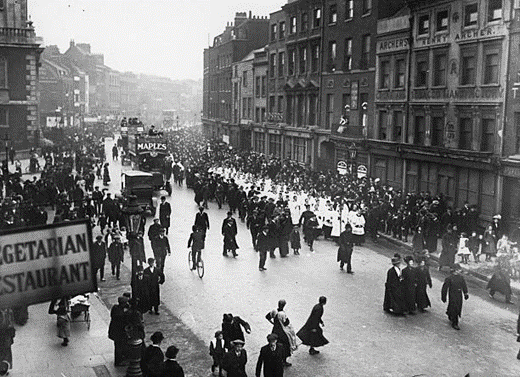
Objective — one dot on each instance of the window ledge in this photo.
(384, 89)
(399, 89)
(349, 19)
(490, 85)
(367, 14)
(332, 24)
(439, 87)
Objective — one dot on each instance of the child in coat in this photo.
(295, 240)
(474, 246)
(217, 351)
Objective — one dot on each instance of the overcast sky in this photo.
(162, 37)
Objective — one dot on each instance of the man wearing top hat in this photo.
(229, 231)
(394, 294)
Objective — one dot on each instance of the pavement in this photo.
(481, 271)
(364, 341)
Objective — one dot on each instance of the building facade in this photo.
(243, 100)
(238, 39)
(19, 68)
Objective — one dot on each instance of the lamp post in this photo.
(134, 220)
(352, 152)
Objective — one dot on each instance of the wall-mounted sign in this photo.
(390, 45)
(478, 93)
(342, 167)
(362, 171)
(43, 263)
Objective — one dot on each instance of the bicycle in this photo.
(199, 266)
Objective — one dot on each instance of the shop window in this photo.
(470, 15)
(487, 194)
(437, 131)
(380, 170)
(468, 66)
(398, 126)
(384, 79)
(467, 188)
(400, 73)
(275, 145)
(421, 70)
(488, 134)
(465, 132)
(441, 21)
(491, 64)
(494, 10)
(333, 14)
(440, 62)
(349, 9)
(424, 24)
(420, 130)
(383, 122)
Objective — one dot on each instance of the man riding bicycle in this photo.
(196, 241)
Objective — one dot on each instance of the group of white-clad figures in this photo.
(331, 216)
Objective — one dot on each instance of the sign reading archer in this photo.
(42, 263)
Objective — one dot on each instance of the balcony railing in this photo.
(19, 35)
(347, 130)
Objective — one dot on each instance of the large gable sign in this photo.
(42, 263)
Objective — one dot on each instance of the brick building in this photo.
(243, 101)
(239, 38)
(19, 64)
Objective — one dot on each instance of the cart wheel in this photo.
(200, 268)
(87, 319)
(189, 259)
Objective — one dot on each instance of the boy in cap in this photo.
(271, 357)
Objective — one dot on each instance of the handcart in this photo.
(80, 309)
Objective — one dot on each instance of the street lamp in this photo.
(352, 152)
(133, 216)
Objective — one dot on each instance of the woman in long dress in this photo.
(283, 328)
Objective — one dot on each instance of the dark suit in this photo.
(152, 360)
(394, 293)
(99, 251)
(160, 250)
(202, 221)
(234, 365)
(155, 278)
(229, 231)
(272, 360)
(455, 288)
(171, 368)
(165, 211)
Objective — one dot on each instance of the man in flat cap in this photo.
(272, 357)
(235, 360)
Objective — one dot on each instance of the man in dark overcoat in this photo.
(116, 255)
(311, 333)
(165, 211)
(454, 287)
(155, 278)
(202, 220)
(346, 246)
(271, 357)
(229, 231)
(162, 249)
(449, 248)
(394, 294)
(263, 244)
(99, 252)
(235, 360)
(119, 318)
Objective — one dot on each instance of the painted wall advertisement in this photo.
(42, 263)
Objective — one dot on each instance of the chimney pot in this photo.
(250, 13)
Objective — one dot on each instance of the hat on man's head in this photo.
(396, 260)
(171, 352)
(272, 337)
(99, 237)
(238, 341)
(122, 300)
(157, 337)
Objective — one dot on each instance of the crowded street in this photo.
(364, 340)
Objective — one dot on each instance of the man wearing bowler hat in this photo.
(171, 367)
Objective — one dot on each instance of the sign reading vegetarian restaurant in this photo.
(42, 263)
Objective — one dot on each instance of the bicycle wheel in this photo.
(200, 268)
(189, 260)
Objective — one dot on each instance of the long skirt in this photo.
(63, 326)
